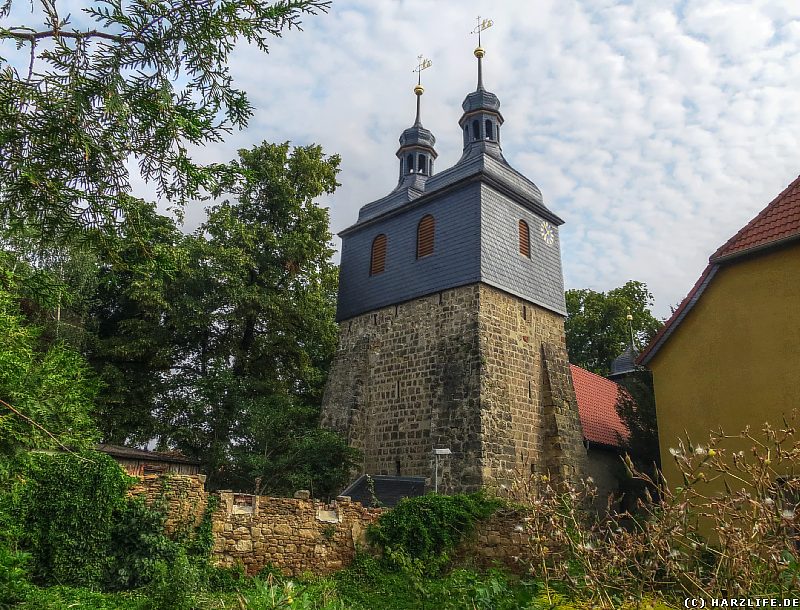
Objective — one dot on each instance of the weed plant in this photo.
(660, 552)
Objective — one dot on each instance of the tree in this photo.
(46, 392)
(253, 323)
(597, 327)
(636, 407)
(99, 91)
(126, 338)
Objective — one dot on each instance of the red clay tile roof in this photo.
(777, 222)
(597, 399)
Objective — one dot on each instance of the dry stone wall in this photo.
(183, 498)
(290, 534)
(303, 535)
(501, 540)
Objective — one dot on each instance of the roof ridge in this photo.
(753, 221)
(594, 374)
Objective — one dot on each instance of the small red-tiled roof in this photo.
(597, 400)
(778, 221)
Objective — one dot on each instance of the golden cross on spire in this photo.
(423, 64)
(484, 24)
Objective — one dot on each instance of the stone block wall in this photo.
(183, 496)
(292, 535)
(499, 541)
(474, 369)
(531, 419)
(406, 379)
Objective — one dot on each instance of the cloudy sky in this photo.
(655, 129)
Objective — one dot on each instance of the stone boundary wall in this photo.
(184, 498)
(290, 534)
(304, 535)
(499, 541)
(293, 535)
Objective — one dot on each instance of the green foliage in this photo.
(174, 585)
(426, 527)
(103, 89)
(225, 580)
(46, 391)
(61, 597)
(72, 514)
(129, 340)
(138, 546)
(67, 509)
(596, 325)
(14, 577)
(252, 315)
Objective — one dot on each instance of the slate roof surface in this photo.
(597, 399)
(625, 362)
(778, 222)
(388, 490)
(142, 454)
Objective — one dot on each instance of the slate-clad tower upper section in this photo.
(478, 221)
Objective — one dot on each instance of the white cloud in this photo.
(655, 129)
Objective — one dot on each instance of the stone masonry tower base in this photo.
(474, 369)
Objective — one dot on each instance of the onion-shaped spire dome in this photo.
(416, 152)
(481, 120)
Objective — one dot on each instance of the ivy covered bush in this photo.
(428, 526)
(71, 513)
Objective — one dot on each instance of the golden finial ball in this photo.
(419, 89)
(479, 52)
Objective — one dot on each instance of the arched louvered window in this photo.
(377, 262)
(425, 236)
(466, 135)
(410, 164)
(421, 164)
(488, 129)
(524, 239)
(430, 166)
(476, 130)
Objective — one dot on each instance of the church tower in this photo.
(451, 312)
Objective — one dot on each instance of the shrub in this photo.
(14, 582)
(173, 586)
(426, 527)
(72, 514)
(67, 508)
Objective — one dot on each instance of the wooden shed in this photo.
(139, 462)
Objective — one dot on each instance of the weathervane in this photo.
(422, 64)
(482, 25)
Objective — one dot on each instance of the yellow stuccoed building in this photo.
(729, 357)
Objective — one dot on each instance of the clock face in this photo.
(548, 234)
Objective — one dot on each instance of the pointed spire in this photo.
(423, 64)
(479, 52)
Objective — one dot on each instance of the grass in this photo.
(367, 585)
